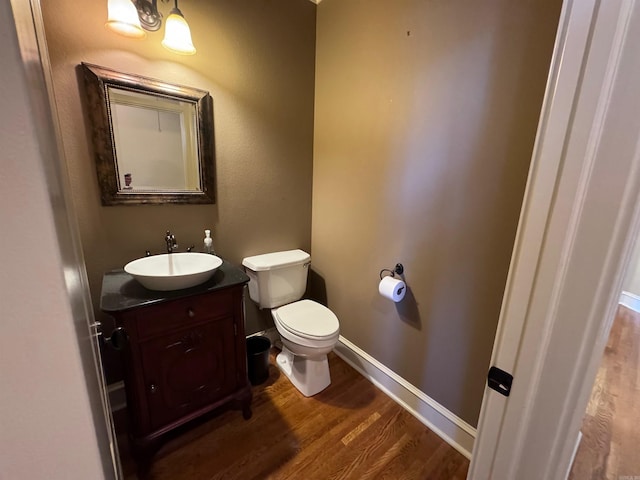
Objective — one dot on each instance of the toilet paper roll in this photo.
(392, 288)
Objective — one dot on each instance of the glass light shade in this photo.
(123, 18)
(177, 36)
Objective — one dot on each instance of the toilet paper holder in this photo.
(399, 269)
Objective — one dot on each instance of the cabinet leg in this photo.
(143, 452)
(242, 401)
(144, 468)
(246, 412)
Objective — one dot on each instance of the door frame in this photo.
(578, 223)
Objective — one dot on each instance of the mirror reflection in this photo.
(153, 141)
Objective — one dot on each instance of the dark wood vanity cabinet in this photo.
(185, 356)
(187, 370)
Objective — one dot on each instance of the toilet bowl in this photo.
(308, 330)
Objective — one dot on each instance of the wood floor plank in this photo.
(352, 461)
(327, 446)
(349, 431)
(407, 463)
(609, 446)
(346, 440)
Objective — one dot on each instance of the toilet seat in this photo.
(308, 319)
(307, 323)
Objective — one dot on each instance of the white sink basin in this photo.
(173, 271)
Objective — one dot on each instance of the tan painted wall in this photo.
(425, 118)
(257, 61)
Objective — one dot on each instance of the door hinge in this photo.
(500, 381)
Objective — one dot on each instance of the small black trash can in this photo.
(258, 359)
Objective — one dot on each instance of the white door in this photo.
(27, 18)
(576, 231)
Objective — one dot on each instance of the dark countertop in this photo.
(120, 291)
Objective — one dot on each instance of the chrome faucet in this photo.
(171, 242)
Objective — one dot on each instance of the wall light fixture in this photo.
(132, 17)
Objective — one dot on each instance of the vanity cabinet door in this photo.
(188, 369)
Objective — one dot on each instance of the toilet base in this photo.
(309, 375)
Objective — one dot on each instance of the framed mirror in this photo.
(152, 140)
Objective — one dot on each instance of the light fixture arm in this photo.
(148, 13)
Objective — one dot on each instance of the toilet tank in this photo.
(277, 278)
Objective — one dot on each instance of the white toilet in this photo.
(308, 330)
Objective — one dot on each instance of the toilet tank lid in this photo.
(269, 261)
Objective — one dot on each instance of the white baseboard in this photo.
(630, 300)
(452, 429)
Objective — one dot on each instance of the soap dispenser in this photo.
(208, 242)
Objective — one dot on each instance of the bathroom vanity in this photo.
(184, 351)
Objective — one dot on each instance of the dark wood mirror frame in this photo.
(97, 81)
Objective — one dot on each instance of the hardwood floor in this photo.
(349, 431)
(611, 427)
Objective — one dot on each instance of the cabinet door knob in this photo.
(153, 388)
(191, 313)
